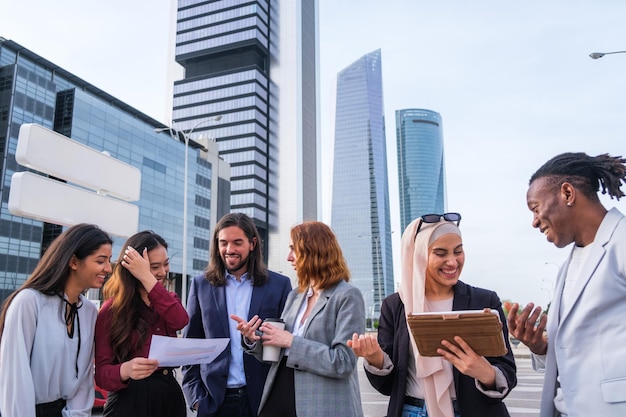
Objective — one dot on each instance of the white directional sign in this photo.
(37, 197)
(55, 154)
(109, 181)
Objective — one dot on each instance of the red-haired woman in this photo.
(320, 316)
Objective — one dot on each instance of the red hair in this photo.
(319, 257)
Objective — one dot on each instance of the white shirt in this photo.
(38, 359)
(579, 256)
(299, 325)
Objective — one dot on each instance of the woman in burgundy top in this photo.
(137, 306)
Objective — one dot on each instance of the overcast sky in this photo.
(512, 81)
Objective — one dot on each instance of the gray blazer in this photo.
(325, 378)
(589, 339)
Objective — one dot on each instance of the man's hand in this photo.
(248, 328)
(529, 327)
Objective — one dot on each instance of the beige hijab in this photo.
(434, 371)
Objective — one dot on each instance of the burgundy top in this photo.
(166, 316)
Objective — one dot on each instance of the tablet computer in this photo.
(481, 329)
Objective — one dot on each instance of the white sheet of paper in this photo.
(178, 351)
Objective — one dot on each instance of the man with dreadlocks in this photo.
(583, 351)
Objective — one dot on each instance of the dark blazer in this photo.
(208, 318)
(393, 337)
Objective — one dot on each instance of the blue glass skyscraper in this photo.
(360, 204)
(421, 171)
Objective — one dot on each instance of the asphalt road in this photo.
(524, 400)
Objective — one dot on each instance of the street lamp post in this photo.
(186, 135)
(376, 239)
(598, 55)
(378, 257)
(548, 288)
(550, 282)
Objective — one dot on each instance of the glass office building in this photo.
(360, 205)
(34, 90)
(421, 170)
(254, 63)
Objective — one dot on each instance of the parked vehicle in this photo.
(100, 398)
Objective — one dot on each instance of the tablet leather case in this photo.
(481, 330)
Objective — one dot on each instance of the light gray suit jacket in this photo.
(588, 341)
(325, 377)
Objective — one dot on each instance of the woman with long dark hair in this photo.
(46, 329)
(137, 307)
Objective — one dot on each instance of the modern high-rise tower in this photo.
(254, 63)
(360, 205)
(421, 171)
(35, 90)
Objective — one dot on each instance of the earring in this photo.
(569, 204)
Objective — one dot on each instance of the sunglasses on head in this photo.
(436, 218)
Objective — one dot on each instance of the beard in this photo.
(232, 269)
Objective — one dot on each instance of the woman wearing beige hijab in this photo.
(460, 382)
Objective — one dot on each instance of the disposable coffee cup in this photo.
(272, 353)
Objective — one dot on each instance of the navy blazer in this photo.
(393, 337)
(208, 318)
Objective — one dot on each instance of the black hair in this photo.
(587, 173)
(53, 269)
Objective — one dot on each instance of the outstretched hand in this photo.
(267, 333)
(529, 327)
(367, 347)
(248, 328)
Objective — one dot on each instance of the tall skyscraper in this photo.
(421, 171)
(255, 64)
(360, 205)
(34, 90)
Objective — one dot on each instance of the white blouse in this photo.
(299, 325)
(39, 361)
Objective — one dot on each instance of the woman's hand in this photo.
(248, 328)
(138, 368)
(468, 362)
(139, 266)
(273, 336)
(367, 347)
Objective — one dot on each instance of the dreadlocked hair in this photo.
(588, 173)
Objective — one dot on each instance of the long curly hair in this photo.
(319, 257)
(124, 290)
